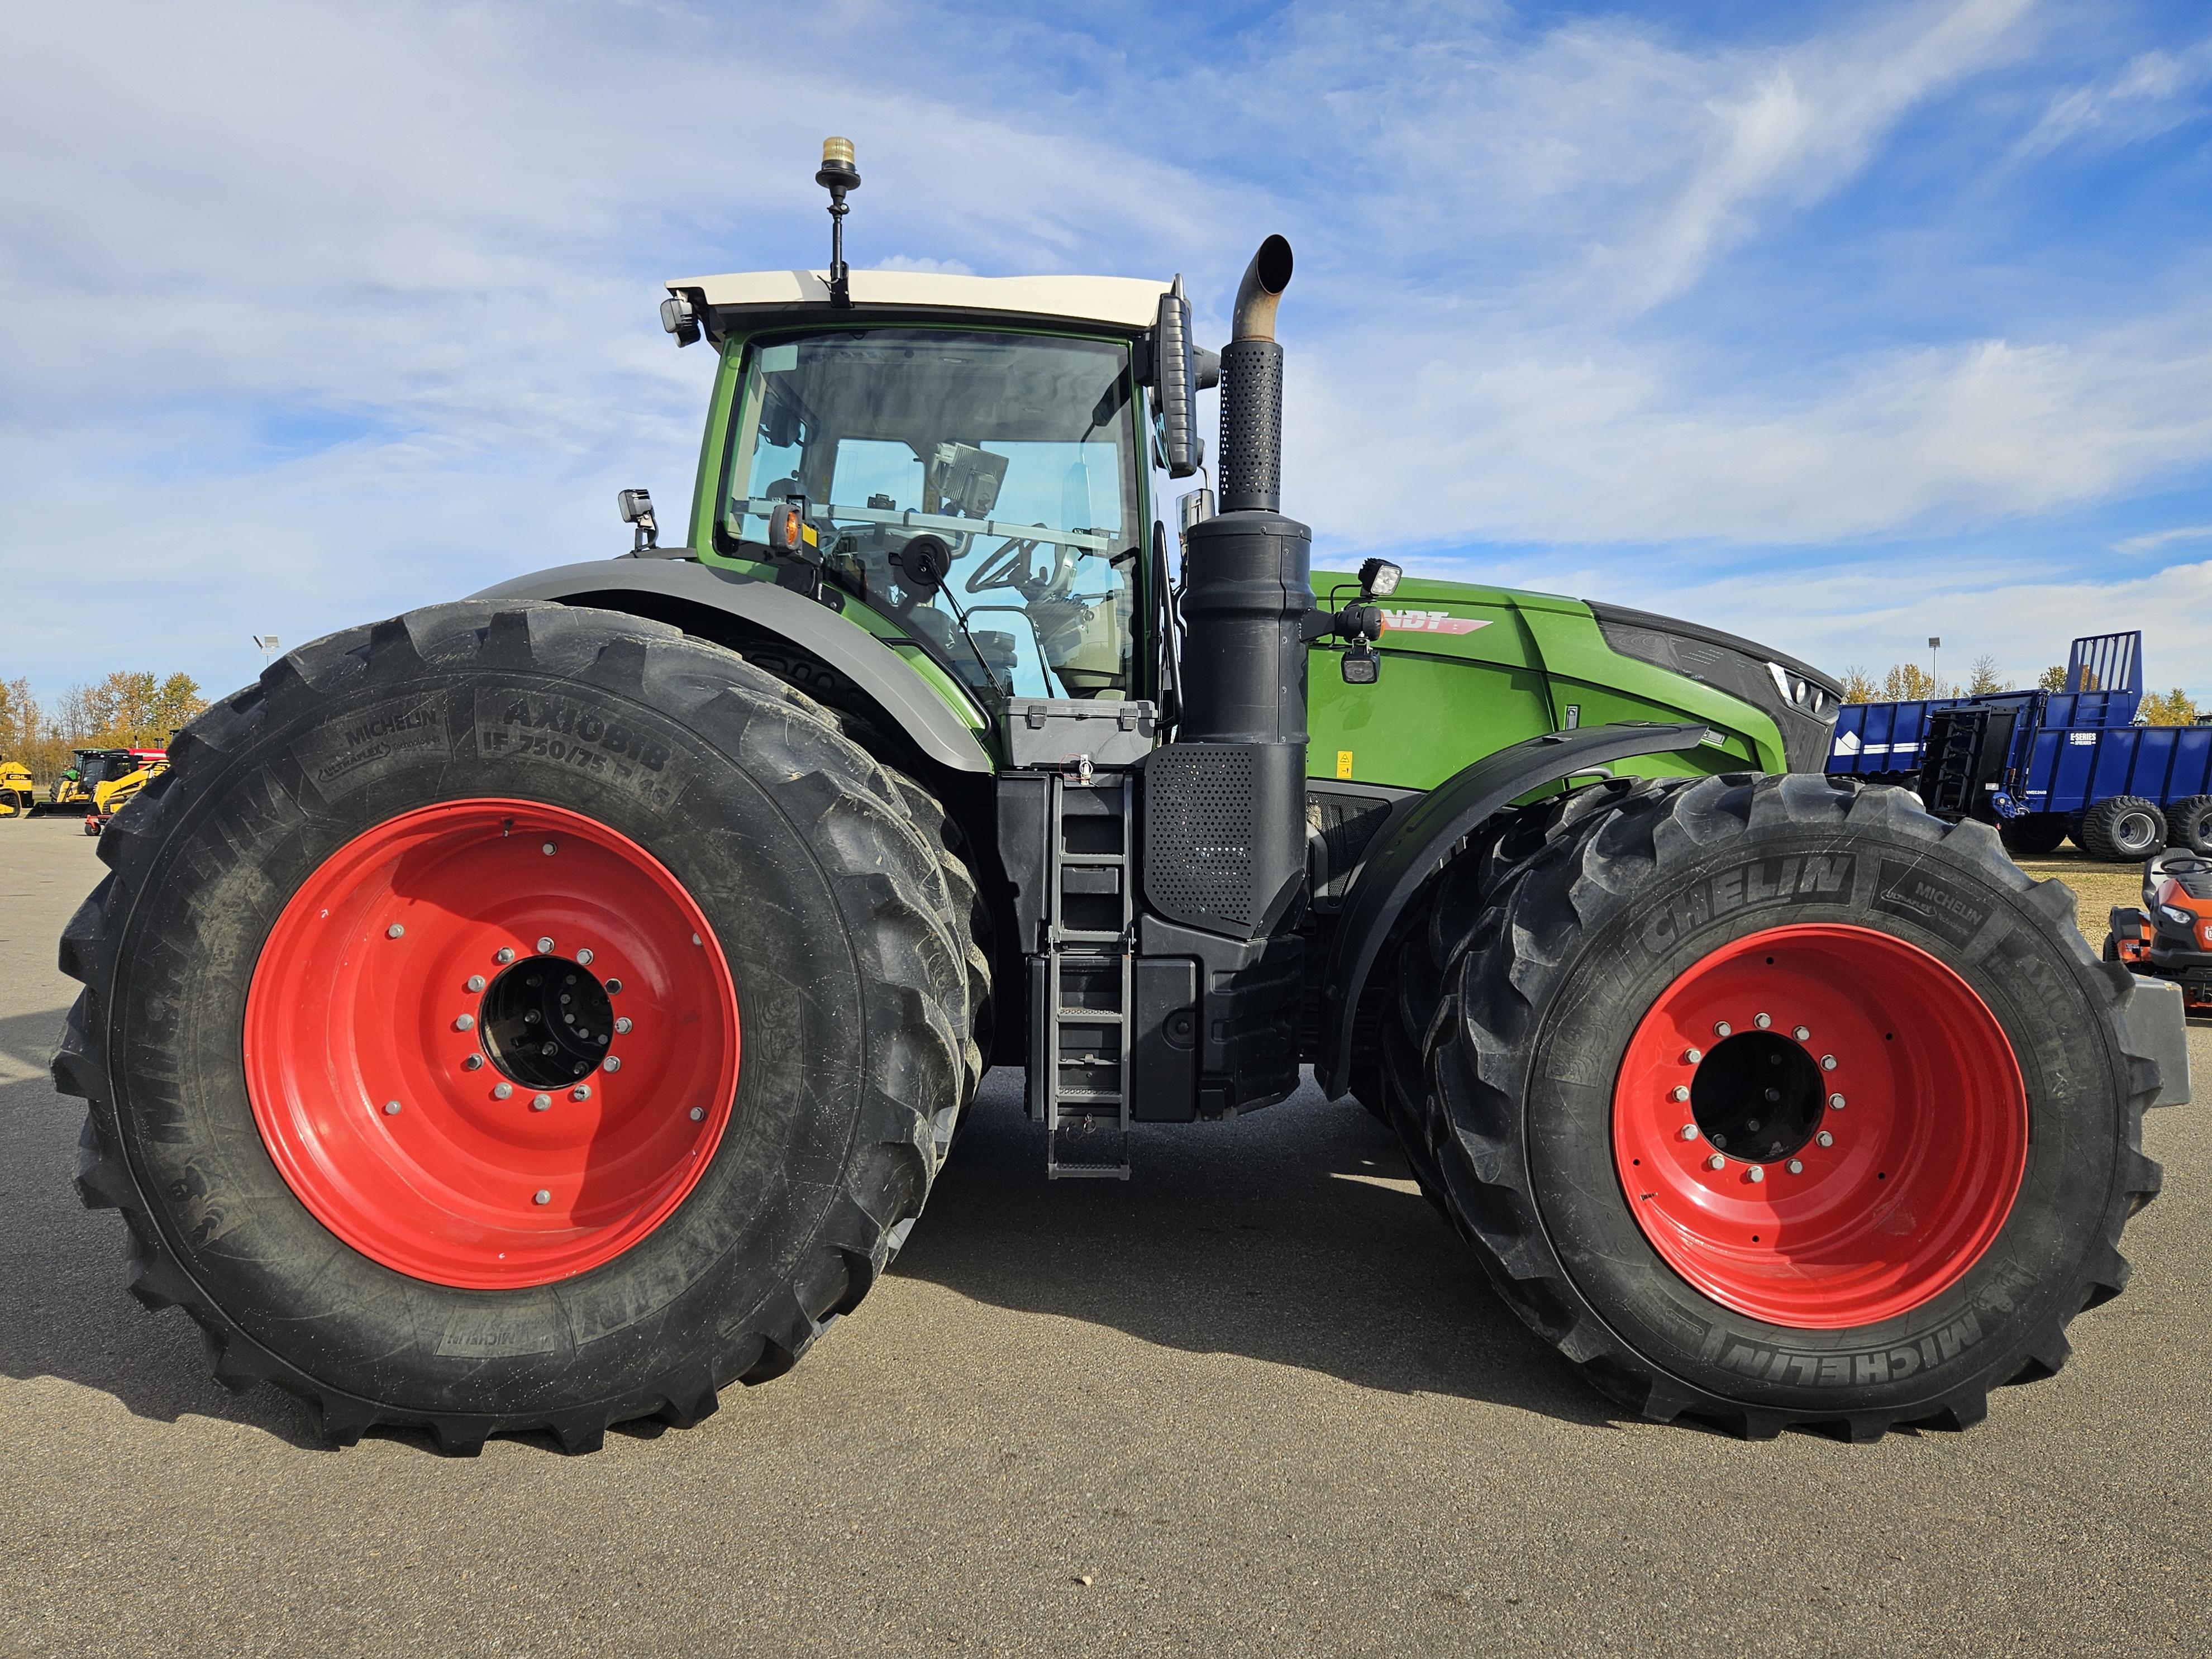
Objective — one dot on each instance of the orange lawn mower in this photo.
(2170, 937)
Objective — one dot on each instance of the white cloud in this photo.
(2150, 94)
(2156, 539)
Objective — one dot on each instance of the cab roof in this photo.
(1121, 302)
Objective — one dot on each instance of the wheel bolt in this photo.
(391, 1109)
(540, 1102)
(547, 849)
(1827, 1062)
(544, 947)
(1678, 1093)
(1716, 1162)
(1800, 1034)
(583, 958)
(476, 982)
(1825, 1138)
(502, 955)
(612, 1062)
(1835, 1103)
(582, 1092)
(1689, 1131)
(501, 1091)
(614, 988)
(466, 1022)
(394, 931)
(698, 1113)
(541, 1196)
(1796, 1166)
(473, 1063)
(1755, 1174)
(695, 939)
(1762, 1021)
(1692, 1056)
(1721, 1028)
(622, 1025)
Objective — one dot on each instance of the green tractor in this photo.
(541, 1010)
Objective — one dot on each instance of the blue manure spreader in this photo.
(2044, 765)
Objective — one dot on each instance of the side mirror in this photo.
(1175, 385)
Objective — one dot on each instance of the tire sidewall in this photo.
(1980, 1328)
(694, 789)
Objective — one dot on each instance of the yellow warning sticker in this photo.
(1344, 762)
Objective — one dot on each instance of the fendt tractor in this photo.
(541, 1010)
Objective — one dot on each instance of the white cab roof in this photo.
(1123, 302)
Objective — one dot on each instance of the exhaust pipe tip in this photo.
(1265, 279)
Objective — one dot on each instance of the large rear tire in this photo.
(1765, 962)
(317, 982)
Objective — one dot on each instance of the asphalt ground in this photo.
(1256, 1401)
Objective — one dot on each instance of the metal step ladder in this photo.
(1079, 1049)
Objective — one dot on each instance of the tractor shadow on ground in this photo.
(1293, 1236)
(64, 1313)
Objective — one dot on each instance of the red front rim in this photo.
(398, 1064)
(1864, 1110)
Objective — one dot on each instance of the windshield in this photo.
(1005, 462)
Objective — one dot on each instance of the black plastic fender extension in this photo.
(646, 587)
(1419, 835)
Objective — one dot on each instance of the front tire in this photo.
(312, 1044)
(1984, 1110)
(2122, 829)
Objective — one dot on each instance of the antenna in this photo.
(837, 176)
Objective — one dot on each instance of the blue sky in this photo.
(1838, 324)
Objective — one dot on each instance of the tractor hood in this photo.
(1802, 700)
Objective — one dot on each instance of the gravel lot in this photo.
(1257, 1400)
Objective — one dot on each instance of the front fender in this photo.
(1419, 835)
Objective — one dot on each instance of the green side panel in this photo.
(1532, 663)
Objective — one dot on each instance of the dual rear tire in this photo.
(1770, 1102)
(518, 1018)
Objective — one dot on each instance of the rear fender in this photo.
(1418, 838)
(741, 612)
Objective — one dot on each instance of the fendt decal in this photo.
(1429, 621)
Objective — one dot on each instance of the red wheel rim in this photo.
(1922, 1159)
(382, 987)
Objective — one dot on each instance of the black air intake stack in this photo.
(1225, 820)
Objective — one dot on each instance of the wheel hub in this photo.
(1756, 1095)
(547, 1021)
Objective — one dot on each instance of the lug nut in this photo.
(466, 1022)
(1796, 1166)
(541, 1196)
(540, 1102)
(501, 1091)
(614, 988)
(1825, 1138)
(547, 849)
(622, 1025)
(1827, 1062)
(698, 1113)
(476, 982)
(1678, 1093)
(1835, 1103)
(1716, 1162)
(582, 1092)
(1755, 1174)
(394, 931)
(612, 1062)
(544, 947)
(583, 958)
(1721, 1028)
(1717, 1140)
(473, 1063)
(1692, 1056)
(391, 1109)
(502, 955)
(695, 939)
(1800, 1034)
(1762, 1021)
(1689, 1131)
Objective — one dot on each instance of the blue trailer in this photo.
(2043, 765)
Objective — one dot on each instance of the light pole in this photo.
(1935, 685)
(269, 643)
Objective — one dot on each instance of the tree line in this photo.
(126, 710)
(1908, 682)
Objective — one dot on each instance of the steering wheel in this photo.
(1007, 568)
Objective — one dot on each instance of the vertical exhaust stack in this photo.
(1226, 825)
